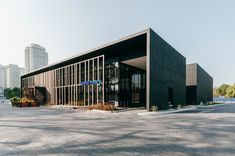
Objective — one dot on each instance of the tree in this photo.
(230, 91)
(215, 92)
(222, 89)
(14, 92)
(7, 93)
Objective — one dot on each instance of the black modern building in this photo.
(139, 70)
(199, 85)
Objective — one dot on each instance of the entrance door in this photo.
(170, 97)
(132, 87)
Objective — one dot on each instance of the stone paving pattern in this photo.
(56, 131)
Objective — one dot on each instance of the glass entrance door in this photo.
(132, 92)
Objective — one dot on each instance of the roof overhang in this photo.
(53, 66)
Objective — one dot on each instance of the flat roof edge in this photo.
(93, 49)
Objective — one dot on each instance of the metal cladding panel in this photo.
(198, 77)
(204, 85)
(167, 70)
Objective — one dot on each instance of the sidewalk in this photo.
(215, 105)
(167, 111)
(180, 110)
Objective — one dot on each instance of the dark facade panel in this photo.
(204, 85)
(201, 81)
(191, 95)
(167, 74)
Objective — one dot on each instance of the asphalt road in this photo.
(50, 131)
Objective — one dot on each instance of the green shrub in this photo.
(154, 108)
(15, 101)
(11, 93)
(179, 106)
(105, 107)
(213, 103)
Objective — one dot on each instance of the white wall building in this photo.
(2, 77)
(22, 71)
(35, 57)
(13, 73)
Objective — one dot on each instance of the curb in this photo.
(100, 111)
(181, 110)
(165, 112)
(215, 105)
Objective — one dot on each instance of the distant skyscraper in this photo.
(2, 77)
(13, 73)
(22, 71)
(35, 57)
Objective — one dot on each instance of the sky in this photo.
(202, 30)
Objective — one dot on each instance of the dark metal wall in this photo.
(191, 95)
(204, 86)
(197, 77)
(167, 71)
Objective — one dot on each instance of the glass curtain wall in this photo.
(82, 83)
(124, 84)
(111, 81)
(132, 86)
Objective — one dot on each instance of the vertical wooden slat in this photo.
(88, 79)
(93, 78)
(80, 87)
(97, 94)
(103, 80)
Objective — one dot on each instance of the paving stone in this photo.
(55, 131)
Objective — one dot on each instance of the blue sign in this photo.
(96, 82)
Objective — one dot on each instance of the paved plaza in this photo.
(57, 131)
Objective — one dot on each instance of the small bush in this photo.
(105, 107)
(80, 103)
(23, 102)
(26, 100)
(154, 108)
(213, 103)
(179, 106)
(15, 101)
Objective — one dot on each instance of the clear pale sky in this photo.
(202, 30)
